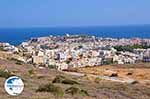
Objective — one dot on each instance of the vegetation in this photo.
(1, 48)
(68, 61)
(52, 66)
(75, 90)
(44, 47)
(64, 80)
(80, 46)
(16, 53)
(31, 71)
(130, 48)
(84, 92)
(97, 80)
(69, 81)
(108, 62)
(124, 48)
(5, 74)
(56, 90)
(58, 79)
(72, 90)
(18, 62)
(90, 88)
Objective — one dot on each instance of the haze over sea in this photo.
(17, 35)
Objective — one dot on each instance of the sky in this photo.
(49, 13)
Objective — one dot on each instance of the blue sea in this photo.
(17, 35)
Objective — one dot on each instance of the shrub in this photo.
(58, 79)
(56, 90)
(131, 48)
(72, 90)
(52, 66)
(97, 80)
(68, 61)
(64, 80)
(75, 90)
(1, 48)
(84, 93)
(19, 63)
(69, 81)
(31, 71)
(5, 74)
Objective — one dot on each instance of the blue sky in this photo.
(45, 13)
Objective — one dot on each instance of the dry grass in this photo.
(127, 71)
(87, 89)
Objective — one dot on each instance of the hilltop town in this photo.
(73, 51)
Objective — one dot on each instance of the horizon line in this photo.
(78, 26)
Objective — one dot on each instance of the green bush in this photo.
(19, 63)
(75, 90)
(31, 71)
(84, 93)
(5, 74)
(59, 79)
(97, 80)
(69, 81)
(64, 80)
(1, 48)
(124, 48)
(68, 61)
(130, 48)
(56, 90)
(72, 90)
(52, 66)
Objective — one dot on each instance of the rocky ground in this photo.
(82, 87)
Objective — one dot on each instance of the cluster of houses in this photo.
(74, 51)
(65, 52)
(9, 48)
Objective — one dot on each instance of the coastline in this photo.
(15, 36)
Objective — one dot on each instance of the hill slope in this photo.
(84, 87)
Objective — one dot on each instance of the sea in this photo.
(16, 36)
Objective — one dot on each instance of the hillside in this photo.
(74, 87)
